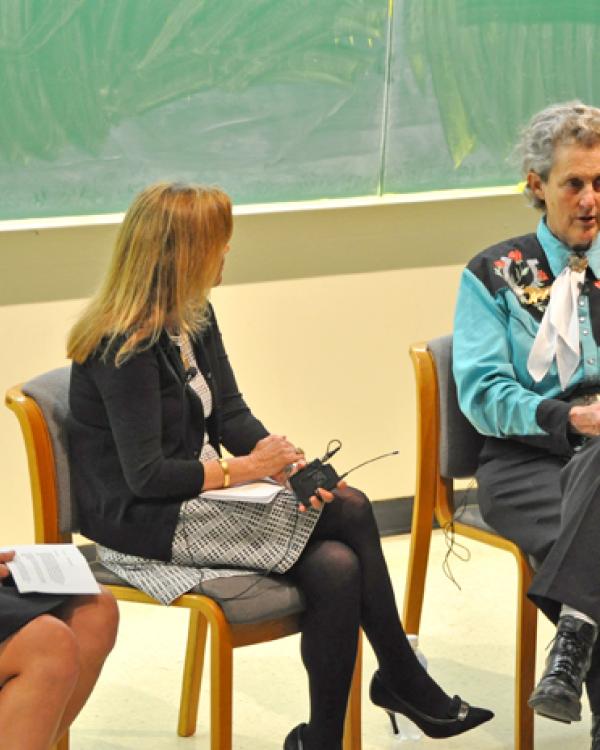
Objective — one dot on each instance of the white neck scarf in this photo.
(558, 335)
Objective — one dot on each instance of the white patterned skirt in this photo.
(215, 538)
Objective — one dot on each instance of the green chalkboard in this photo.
(276, 100)
(466, 75)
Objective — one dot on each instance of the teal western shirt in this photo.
(502, 297)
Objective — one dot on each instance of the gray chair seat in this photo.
(243, 599)
(470, 515)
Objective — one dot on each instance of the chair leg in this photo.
(63, 742)
(525, 659)
(221, 688)
(353, 720)
(420, 543)
(192, 674)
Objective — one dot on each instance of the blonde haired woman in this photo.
(153, 399)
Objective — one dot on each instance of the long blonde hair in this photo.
(166, 258)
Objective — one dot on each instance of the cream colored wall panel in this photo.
(328, 358)
(65, 261)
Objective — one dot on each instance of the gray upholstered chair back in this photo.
(51, 393)
(460, 443)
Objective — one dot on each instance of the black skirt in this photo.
(17, 609)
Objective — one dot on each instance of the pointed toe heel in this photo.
(393, 722)
(460, 717)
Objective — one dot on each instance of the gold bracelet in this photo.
(226, 474)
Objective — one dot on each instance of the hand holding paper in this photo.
(4, 558)
(50, 569)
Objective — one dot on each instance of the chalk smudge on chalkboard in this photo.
(473, 72)
(274, 100)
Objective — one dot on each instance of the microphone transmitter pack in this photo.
(314, 475)
(320, 475)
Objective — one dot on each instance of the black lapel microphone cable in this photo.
(370, 461)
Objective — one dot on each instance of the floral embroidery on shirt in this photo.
(524, 278)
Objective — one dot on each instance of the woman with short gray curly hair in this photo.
(558, 124)
(526, 355)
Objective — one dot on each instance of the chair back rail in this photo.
(40, 461)
(433, 489)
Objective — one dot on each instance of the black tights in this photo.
(344, 577)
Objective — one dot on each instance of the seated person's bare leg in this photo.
(39, 670)
(49, 667)
(94, 623)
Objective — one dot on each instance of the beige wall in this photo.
(318, 310)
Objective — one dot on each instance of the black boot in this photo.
(558, 693)
(595, 732)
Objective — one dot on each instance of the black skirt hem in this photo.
(16, 610)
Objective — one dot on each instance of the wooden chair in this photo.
(270, 610)
(448, 448)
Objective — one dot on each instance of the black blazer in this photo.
(135, 435)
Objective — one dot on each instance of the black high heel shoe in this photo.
(294, 739)
(461, 717)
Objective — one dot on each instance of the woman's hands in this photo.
(4, 558)
(270, 457)
(272, 454)
(322, 496)
(273, 449)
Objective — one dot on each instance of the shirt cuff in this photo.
(552, 415)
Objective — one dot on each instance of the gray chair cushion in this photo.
(254, 598)
(51, 393)
(470, 515)
(244, 599)
(460, 443)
